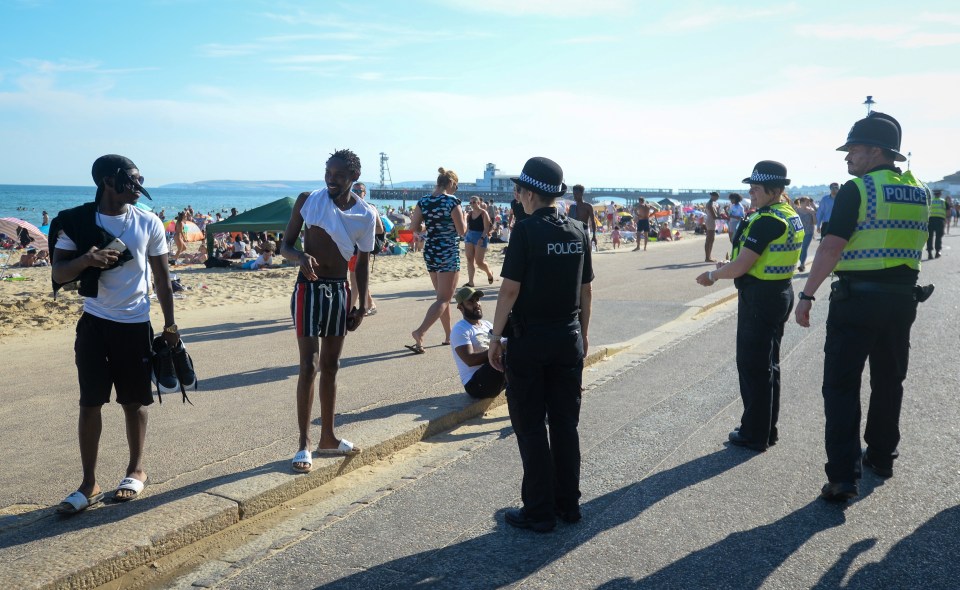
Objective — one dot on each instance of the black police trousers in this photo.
(935, 233)
(544, 368)
(863, 326)
(763, 309)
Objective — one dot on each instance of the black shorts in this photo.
(319, 308)
(113, 354)
(643, 225)
(486, 382)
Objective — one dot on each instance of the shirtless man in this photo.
(643, 223)
(583, 212)
(336, 221)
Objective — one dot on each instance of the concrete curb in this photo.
(170, 526)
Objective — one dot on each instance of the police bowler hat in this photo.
(768, 172)
(542, 175)
(878, 130)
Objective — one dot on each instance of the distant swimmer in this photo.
(336, 221)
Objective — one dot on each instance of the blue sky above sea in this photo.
(643, 94)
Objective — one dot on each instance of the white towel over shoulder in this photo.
(353, 227)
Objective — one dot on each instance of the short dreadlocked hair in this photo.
(352, 160)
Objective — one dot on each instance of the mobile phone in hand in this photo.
(117, 245)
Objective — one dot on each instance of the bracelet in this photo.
(710, 275)
(804, 297)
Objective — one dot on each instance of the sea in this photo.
(28, 202)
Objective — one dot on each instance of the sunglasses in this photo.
(124, 180)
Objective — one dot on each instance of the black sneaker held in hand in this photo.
(164, 373)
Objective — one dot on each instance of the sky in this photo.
(646, 94)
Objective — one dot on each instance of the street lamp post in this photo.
(869, 102)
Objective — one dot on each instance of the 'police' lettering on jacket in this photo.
(558, 248)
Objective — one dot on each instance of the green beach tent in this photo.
(272, 217)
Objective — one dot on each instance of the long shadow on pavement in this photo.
(744, 559)
(927, 558)
(506, 555)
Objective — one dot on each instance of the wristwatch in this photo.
(497, 336)
(171, 329)
(804, 297)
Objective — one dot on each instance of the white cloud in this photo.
(902, 35)
(556, 8)
(591, 40)
(314, 59)
(940, 18)
(220, 50)
(706, 18)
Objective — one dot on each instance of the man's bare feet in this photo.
(418, 338)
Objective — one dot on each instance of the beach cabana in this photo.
(272, 217)
(667, 202)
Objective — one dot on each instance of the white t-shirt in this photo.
(463, 333)
(122, 291)
(353, 227)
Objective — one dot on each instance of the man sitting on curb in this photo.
(469, 340)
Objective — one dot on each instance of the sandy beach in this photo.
(26, 303)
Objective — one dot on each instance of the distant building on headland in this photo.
(950, 184)
(499, 188)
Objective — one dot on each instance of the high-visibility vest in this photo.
(891, 225)
(938, 208)
(779, 260)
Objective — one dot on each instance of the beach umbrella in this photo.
(9, 226)
(191, 232)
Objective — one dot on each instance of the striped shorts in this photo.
(319, 308)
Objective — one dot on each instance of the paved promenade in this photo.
(662, 406)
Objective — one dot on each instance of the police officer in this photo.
(938, 218)
(766, 249)
(544, 311)
(874, 244)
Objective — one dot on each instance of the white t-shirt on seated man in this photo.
(477, 335)
(122, 296)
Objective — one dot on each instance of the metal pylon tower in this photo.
(385, 171)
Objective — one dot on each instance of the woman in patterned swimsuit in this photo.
(445, 226)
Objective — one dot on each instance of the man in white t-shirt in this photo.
(108, 245)
(334, 222)
(469, 341)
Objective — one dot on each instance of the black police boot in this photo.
(517, 517)
(839, 491)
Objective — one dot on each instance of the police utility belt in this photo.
(518, 327)
(845, 287)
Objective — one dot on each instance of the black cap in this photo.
(768, 172)
(880, 130)
(542, 175)
(110, 165)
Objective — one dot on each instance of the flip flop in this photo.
(371, 311)
(302, 457)
(414, 348)
(344, 449)
(129, 483)
(78, 502)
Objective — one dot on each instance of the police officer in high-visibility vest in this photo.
(544, 311)
(938, 218)
(874, 244)
(765, 254)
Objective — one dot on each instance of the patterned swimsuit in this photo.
(442, 249)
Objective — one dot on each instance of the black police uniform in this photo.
(763, 308)
(549, 256)
(865, 323)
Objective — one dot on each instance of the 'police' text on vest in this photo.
(557, 248)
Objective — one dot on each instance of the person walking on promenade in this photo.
(360, 190)
(445, 224)
(808, 215)
(735, 215)
(874, 244)
(477, 239)
(108, 245)
(336, 222)
(642, 211)
(544, 311)
(712, 214)
(583, 212)
(764, 260)
(825, 209)
(938, 217)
